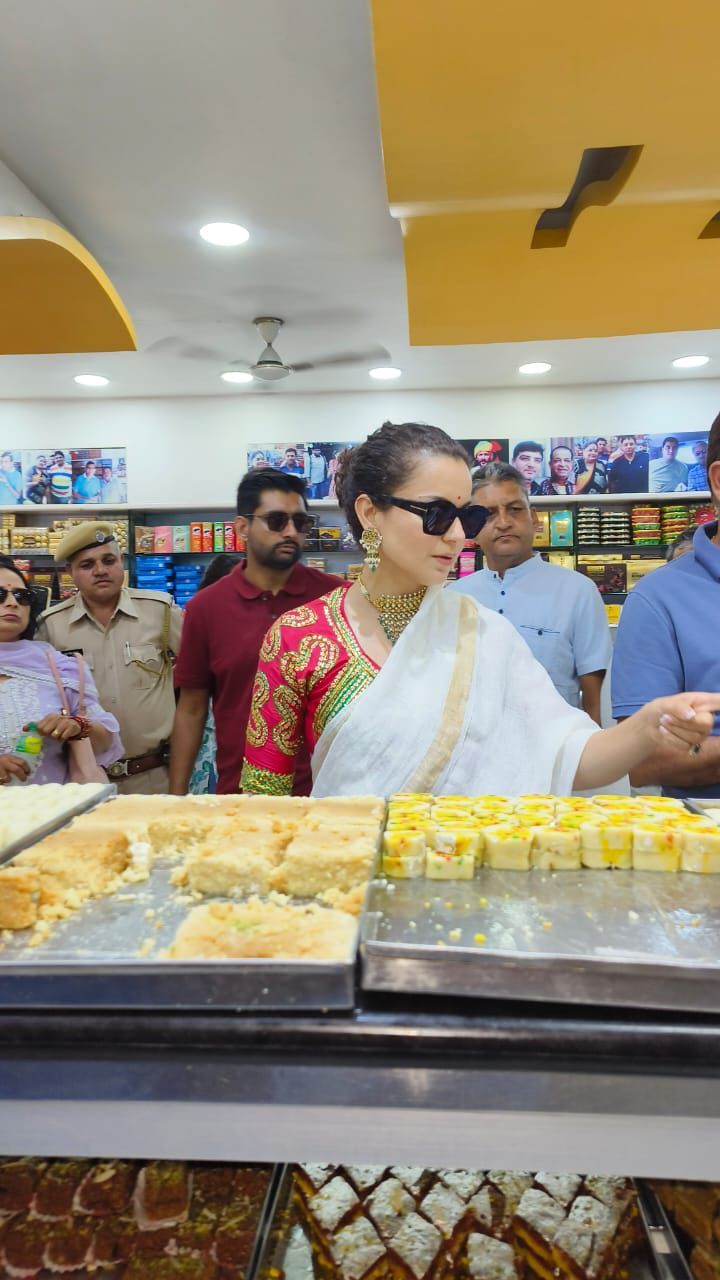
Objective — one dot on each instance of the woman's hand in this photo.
(682, 721)
(62, 728)
(13, 767)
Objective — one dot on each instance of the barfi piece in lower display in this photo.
(169, 1268)
(511, 1187)
(364, 1177)
(420, 1249)
(234, 863)
(582, 1246)
(19, 897)
(615, 1192)
(389, 1206)
(24, 1246)
(162, 1191)
(606, 841)
(311, 1177)
(107, 1188)
(358, 1252)
(18, 1179)
(56, 1190)
(414, 1177)
(563, 1187)
(489, 1259)
(114, 1240)
(444, 1208)
(332, 1207)
(534, 1225)
(464, 1182)
(68, 1245)
(235, 1237)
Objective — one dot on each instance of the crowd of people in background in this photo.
(170, 696)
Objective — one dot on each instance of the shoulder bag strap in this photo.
(61, 687)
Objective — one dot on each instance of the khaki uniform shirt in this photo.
(126, 659)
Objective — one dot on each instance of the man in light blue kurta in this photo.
(558, 612)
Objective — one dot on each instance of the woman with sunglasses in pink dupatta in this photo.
(398, 685)
(29, 693)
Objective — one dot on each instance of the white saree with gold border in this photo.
(460, 707)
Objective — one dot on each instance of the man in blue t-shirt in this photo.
(667, 643)
(10, 480)
(88, 485)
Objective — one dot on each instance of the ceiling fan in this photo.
(269, 366)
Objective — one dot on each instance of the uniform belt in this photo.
(138, 764)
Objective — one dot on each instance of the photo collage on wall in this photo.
(637, 463)
(96, 476)
(315, 463)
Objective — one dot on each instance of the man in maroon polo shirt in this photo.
(225, 624)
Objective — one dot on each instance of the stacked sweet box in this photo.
(403, 1223)
(163, 1220)
(694, 1208)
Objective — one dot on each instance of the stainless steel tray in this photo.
(96, 959)
(9, 851)
(627, 938)
(287, 1252)
(669, 1261)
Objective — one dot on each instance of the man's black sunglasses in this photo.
(22, 595)
(278, 521)
(439, 515)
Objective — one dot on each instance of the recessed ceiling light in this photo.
(535, 366)
(385, 374)
(90, 380)
(235, 375)
(224, 233)
(690, 362)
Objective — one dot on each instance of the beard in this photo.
(277, 559)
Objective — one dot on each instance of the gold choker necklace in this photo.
(394, 612)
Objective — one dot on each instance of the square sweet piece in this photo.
(563, 1187)
(235, 1237)
(364, 1176)
(389, 1206)
(107, 1188)
(416, 1180)
(537, 1218)
(449, 866)
(114, 1240)
(464, 1182)
(24, 1246)
(587, 1236)
(18, 1179)
(162, 1191)
(184, 1267)
(309, 868)
(486, 1208)
(234, 863)
(56, 1190)
(68, 1245)
(615, 1192)
(349, 809)
(489, 1259)
(19, 897)
(444, 1208)
(332, 1205)
(512, 1187)
(357, 1250)
(417, 1245)
(311, 1177)
(212, 1186)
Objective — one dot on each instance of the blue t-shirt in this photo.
(667, 641)
(10, 486)
(88, 487)
(559, 614)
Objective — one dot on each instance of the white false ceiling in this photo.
(136, 121)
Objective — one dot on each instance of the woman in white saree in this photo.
(398, 685)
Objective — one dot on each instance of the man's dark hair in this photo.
(684, 539)
(671, 440)
(7, 454)
(498, 473)
(218, 568)
(713, 444)
(528, 446)
(255, 483)
(628, 436)
(555, 448)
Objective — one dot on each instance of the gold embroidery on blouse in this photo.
(264, 782)
(304, 616)
(257, 730)
(270, 647)
(287, 732)
(349, 683)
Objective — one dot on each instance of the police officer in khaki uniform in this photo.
(127, 638)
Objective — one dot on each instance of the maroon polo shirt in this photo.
(222, 633)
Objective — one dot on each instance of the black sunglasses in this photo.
(277, 521)
(22, 595)
(439, 515)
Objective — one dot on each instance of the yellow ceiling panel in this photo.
(55, 296)
(486, 114)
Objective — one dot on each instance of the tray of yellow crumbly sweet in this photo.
(368, 1222)
(157, 901)
(605, 900)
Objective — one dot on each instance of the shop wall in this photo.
(191, 452)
